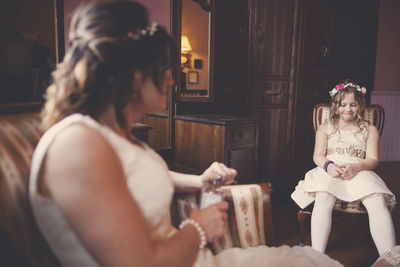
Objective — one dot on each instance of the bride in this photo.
(101, 197)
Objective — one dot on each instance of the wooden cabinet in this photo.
(274, 60)
(203, 139)
(298, 50)
(158, 136)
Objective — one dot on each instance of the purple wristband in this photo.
(326, 164)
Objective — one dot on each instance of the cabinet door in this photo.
(230, 57)
(271, 37)
(243, 160)
(197, 145)
(273, 148)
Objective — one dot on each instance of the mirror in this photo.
(195, 27)
(31, 44)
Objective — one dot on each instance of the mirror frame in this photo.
(181, 95)
(35, 105)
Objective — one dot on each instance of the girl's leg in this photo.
(380, 223)
(321, 220)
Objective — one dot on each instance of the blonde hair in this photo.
(108, 41)
(337, 100)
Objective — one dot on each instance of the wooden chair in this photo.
(375, 115)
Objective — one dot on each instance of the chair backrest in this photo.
(19, 135)
(374, 114)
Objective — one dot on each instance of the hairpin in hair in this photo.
(341, 86)
(150, 29)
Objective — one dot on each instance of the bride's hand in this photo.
(216, 171)
(212, 219)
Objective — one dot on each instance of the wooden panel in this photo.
(354, 41)
(270, 93)
(197, 145)
(311, 93)
(240, 136)
(230, 96)
(273, 148)
(230, 38)
(243, 160)
(159, 135)
(302, 159)
(316, 40)
(271, 37)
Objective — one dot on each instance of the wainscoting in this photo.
(390, 141)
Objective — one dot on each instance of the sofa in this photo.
(20, 131)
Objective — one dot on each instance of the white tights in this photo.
(380, 222)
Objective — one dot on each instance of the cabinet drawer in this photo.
(274, 93)
(244, 135)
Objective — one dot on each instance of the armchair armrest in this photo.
(249, 215)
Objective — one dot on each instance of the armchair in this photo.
(375, 115)
(19, 134)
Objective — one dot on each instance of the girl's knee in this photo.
(325, 199)
(375, 202)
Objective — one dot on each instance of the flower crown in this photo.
(150, 29)
(341, 86)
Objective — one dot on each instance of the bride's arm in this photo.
(90, 189)
(190, 182)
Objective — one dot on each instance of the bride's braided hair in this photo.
(108, 41)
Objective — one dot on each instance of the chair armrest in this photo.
(249, 215)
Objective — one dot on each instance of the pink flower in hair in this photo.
(339, 86)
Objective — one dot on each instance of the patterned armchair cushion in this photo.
(245, 227)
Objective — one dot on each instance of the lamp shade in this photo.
(185, 45)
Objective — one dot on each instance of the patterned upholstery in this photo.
(374, 114)
(19, 135)
(247, 226)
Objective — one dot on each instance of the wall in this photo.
(159, 11)
(387, 70)
(387, 86)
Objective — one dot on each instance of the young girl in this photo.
(346, 150)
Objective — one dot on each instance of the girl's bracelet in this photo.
(326, 164)
(199, 229)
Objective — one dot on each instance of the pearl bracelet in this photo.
(199, 229)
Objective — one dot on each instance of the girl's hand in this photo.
(212, 219)
(216, 171)
(348, 171)
(334, 170)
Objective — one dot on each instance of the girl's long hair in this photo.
(108, 41)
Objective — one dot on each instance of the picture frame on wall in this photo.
(193, 77)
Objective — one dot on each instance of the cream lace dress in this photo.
(151, 186)
(343, 147)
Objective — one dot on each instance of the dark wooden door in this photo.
(269, 87)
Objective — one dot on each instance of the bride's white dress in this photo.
(151, 186)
